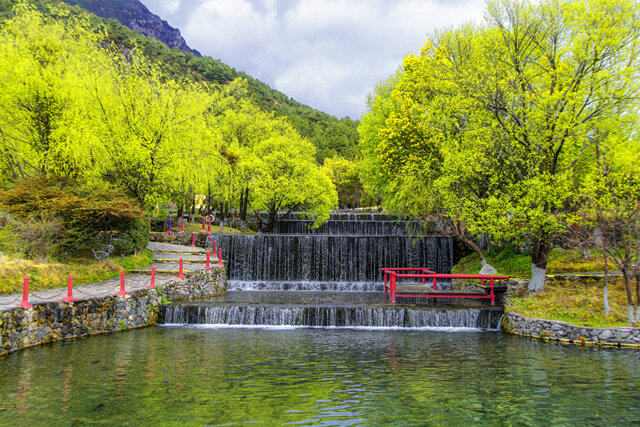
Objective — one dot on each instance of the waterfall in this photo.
(329, 258)
(329, 277)
(380, 316)
(343, 227)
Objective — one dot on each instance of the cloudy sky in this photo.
(328, 54)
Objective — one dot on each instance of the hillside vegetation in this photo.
(331, 136)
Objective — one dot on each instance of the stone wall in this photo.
(54, 321)
(552, 330)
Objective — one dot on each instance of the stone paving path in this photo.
(133, 282)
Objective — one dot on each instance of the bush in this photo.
(74, 217)
(132, 238)
(10, 241)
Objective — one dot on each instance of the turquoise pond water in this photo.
(230, 376)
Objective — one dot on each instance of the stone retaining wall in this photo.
(552, 330)
(54, 321)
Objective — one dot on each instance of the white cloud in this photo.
(325, 53)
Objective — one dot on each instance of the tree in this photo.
(286, 178)
(612, 195)
(509, 109)
(147, 125)
(44, 67)
(345, 177)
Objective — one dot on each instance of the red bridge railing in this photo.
(391, 275)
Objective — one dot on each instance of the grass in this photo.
(54, 275)
(507, 262)
(577, 303)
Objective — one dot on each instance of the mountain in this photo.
(134, 15)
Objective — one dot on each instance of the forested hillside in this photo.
(330, 136)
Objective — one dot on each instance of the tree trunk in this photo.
(539, 258)
(486, 267)
(606, 283)
(637, 277)
(271, 222)
(244, 204)
(627, 285)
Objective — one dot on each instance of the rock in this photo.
(605, 335)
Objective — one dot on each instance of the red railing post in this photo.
(202, 231)
(25, 294)
(392, 289)
(220, 256)
(69, 297)
(122, 291)
(385, 281)
(215, 250)
(152, 284)
(493, 296)
(208, 267)
(181, 274)
(209, 227)
(182, 225)
(193, 240)
(435, 284)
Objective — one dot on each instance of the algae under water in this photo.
(234, 375)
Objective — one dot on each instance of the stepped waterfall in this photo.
(329, 277)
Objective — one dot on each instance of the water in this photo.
(325, 315)
(329, 258)
(342, 227)
(198, 376)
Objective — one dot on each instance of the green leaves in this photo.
(498, 126)
(71, 107)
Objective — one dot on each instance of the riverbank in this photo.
(100, 308)
(552, 330)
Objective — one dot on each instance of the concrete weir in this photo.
(331, 277)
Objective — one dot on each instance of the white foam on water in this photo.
(360, 328)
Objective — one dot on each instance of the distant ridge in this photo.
(135, 15)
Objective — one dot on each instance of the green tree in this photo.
(346, 178)
(509, 112)
(286, 178)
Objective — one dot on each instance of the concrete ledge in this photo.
(55, 321)
(553, 330)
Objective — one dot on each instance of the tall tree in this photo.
(512, 105)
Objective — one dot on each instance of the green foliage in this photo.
(495, 128)
(50, 209)
(346, 177)
(285, 177)
(330, 135)
(92, 114)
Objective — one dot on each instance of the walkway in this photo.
(139, 279)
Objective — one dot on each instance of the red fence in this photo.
(391, 275)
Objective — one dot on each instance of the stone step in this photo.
(184, 260)
(173, 268)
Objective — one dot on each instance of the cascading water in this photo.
(329, 277)
(329, 258)
(381, 316)
(343, 227)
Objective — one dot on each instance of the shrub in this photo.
(75, 216)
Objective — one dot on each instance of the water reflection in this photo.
(301, 376)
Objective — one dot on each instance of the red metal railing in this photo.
(391, 275)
